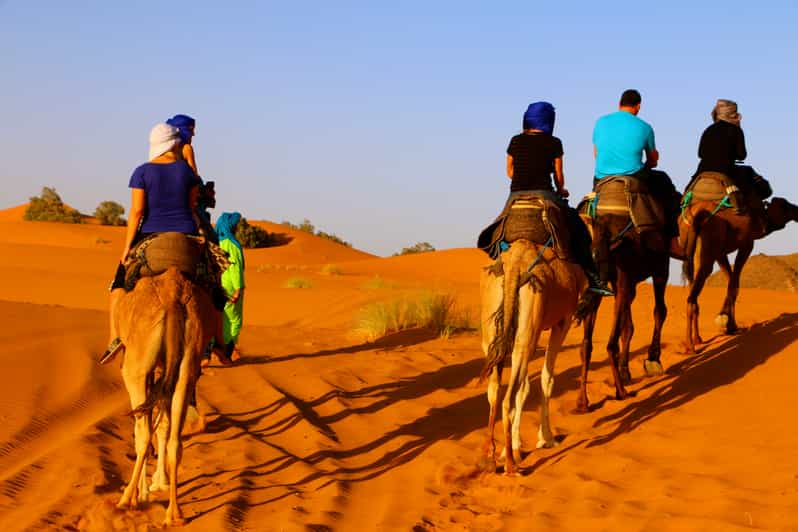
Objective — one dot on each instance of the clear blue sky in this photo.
(383, 122)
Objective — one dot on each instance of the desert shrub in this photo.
(377, 282)
(419, 247)
(110, 213)
(252, 236)
(431, 310)
(331, 269)
(297, 282)
(48, 207)
(308, 227)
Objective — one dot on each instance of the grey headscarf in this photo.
(726, 110)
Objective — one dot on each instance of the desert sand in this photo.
(316, 429)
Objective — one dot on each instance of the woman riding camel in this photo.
(722, 147)
(532, 157)
(163, 199)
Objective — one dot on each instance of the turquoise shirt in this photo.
(621, 139)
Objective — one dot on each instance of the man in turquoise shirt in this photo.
(620, 139)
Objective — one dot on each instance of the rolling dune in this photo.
(314, 429)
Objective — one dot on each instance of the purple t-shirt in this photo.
(167, 187)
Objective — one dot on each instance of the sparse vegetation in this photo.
(432, 310)
(298, 282)
(308, 227)
(377, 283)
(331, 269)
(48, 207)
(418, 247)
(110, 213)
(252, 236)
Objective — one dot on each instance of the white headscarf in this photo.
(163, 138)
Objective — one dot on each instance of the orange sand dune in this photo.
(315, 430)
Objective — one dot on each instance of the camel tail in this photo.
(506, 321)
(688, 266)
(161, 392)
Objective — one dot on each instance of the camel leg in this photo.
(619, 321)
(726, 319)
(136, 384)
(627, 331)
(525, 339)
(159, 478)
(492, 298)
(589, 323)
(556, 337)
(653, 366)
(705, 262)
(174, 446)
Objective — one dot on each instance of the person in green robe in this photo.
(232, 280)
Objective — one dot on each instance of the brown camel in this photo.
(535, 291)
(164, 323)
(710, 235)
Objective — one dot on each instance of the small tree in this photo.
(419, 247)
(110, 213)
(252, 236)
(307, 227)
(48, 207)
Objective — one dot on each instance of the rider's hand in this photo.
(563, 192)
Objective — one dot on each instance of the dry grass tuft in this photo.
(331, 269)
(298, 282)
(430, 310)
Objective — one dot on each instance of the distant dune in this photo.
(773, 272)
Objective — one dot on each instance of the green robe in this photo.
(232, 280)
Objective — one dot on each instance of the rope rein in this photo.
(548, 243)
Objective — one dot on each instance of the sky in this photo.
(385, 123)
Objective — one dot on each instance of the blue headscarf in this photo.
(540, 115)
(225, 225)
(185, 124)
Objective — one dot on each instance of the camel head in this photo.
(779, 213)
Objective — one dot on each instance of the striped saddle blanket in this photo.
(625, 196)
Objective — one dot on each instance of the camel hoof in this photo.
(547, 444)
(175, 521)
(653, 368)
(722, 322)
(582, 409)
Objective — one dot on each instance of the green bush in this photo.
(431, 310)
(48, 207)
(419, 247)
(110, 213)
(307, 227)
(252, 236)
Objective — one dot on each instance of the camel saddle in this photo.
(198, 259)
(536, 216)
(625, 195)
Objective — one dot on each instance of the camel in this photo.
(636, 258)
(164, 323)
(535, 291)
(710, 235)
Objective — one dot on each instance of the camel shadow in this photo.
(695, 376)
(389, 342)
(453, 421)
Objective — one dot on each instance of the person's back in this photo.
(167, 187)
(722, 145)
(621, 139)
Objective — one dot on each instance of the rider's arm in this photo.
(188, 155)
(509, 166)
(138, 202)
(559, 178)
(739, 149)
(652, 158)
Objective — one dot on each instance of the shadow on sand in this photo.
(697, 375)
